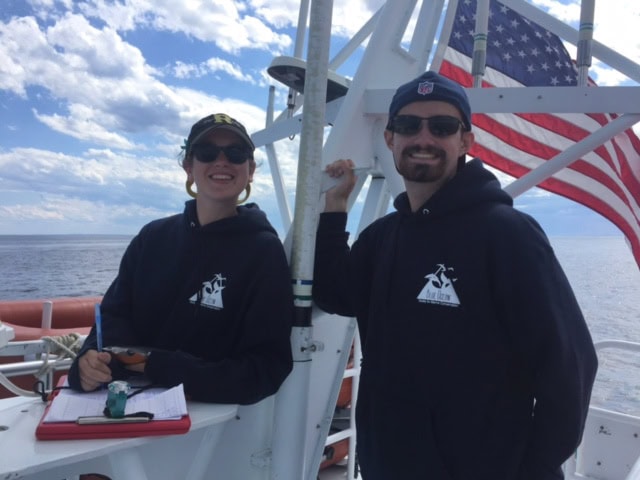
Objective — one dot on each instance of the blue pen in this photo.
(98, 327)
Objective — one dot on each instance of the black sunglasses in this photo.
(440, 126)
(208, 153)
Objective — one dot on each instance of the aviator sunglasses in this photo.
(440, 126)
(208, 153)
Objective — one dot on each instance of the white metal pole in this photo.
(274, 166)
(355, 386)
(289, 452)
(571, 154)
(310, 155)
(480, 42)
(47, 312)
(47, 316)
(298, 48)
(585, 39)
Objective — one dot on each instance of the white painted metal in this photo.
(274, 168)
(327, 373)
(480, 42)
(6, 334)
(634, 474)
(610, 448)
(290, 453)
(583, 60)
(571, 154)
(531, 99)
(47, 311)
(169, 457)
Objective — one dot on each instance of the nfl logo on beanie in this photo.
(431, 86)
(425, 88)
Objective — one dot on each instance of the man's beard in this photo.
(419, 172)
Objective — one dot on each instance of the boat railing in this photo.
(621, 344)
(35, 358)
(610, 448)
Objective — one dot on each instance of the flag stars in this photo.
(532, 54)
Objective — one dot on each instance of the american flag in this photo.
(521, 53)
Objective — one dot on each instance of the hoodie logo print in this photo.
(439, 288)
(210, 295)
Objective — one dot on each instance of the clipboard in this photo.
(75, 431)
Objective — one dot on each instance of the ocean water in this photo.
(601, 270)
(606, 281)
(46, 266)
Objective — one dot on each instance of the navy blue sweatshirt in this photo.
(477, 361)
(214, 300)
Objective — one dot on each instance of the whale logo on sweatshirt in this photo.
(439, 288)
(210, 295)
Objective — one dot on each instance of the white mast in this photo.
(289, 454)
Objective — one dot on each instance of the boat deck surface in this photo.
(336, 472)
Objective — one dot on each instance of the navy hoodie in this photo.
(214, 302)
(477, 361)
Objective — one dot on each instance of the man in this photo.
(477, 362)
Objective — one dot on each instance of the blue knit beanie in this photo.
(431, 86)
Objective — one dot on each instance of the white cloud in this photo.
(212, 66)
(81, 124)
(227, 24)
(52, 211)
(18, 39)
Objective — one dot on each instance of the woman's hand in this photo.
(94, 369)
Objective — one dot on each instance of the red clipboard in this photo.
(73, 431)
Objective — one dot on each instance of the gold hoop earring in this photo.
(188, 185)
(247, 189)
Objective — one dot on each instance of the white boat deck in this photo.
(336, 472)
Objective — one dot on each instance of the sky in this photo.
(97, 96)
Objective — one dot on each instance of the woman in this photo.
(207, 292)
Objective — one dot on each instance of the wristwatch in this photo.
(129, 355)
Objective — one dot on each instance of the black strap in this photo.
(107, 413)
(38, 388)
